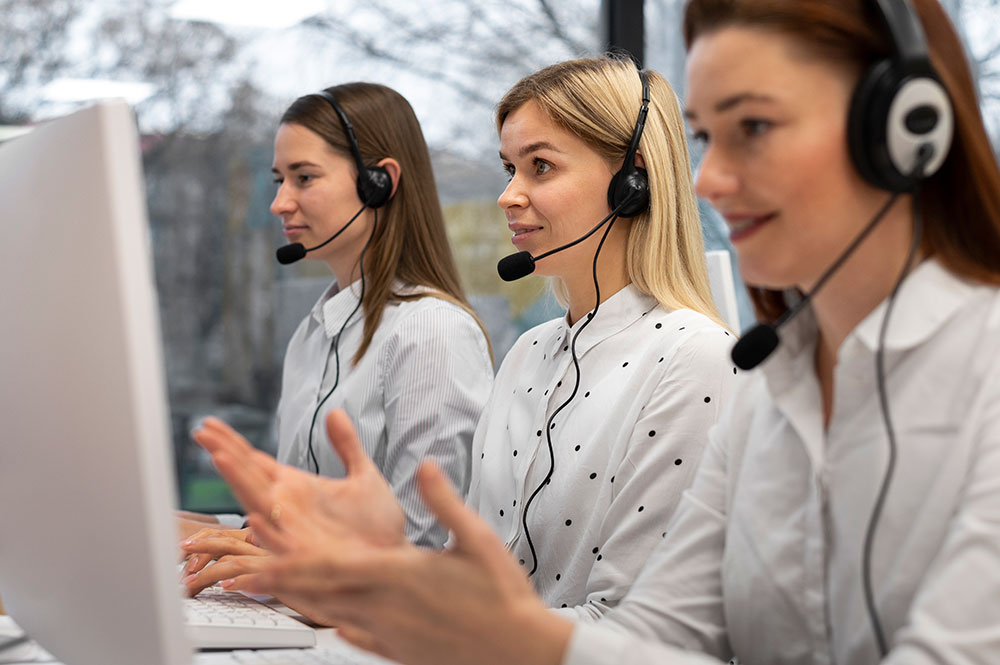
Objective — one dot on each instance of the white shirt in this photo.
(764, 555)
(651, 386)
(416, 394)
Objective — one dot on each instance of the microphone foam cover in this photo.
(516, 266)
(290, 253)
(755, 346)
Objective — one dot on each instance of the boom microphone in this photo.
(295, 251)
(516, 266)
(759, 342)
(522, 264)
(290, 253)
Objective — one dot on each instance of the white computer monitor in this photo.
(87, 552)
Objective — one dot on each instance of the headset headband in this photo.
(909, 41)
(640, 122)
(348, 127)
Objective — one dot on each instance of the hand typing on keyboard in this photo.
(295, 511)
(471, 603)
(194, 560)
(230, 557)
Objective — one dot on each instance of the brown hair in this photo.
(597, 100)
(961, 202)
(410, 243)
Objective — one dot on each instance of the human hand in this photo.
(299, 506)
(189, 523)
(232, 557)
(197, 558)
(471, 603)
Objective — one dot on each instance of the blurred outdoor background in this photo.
(209, 80)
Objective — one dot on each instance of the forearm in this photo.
(541, 637)
(197, 517)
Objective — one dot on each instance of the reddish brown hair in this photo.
(961, 202)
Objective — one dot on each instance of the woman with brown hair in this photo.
(393, 340)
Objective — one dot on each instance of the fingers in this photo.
(257, 582)
(219, 546)
(326, 573)
(224, 569)
(223, 436)
(195, 563)
(250, 485)
(267, 533)
(471, 533)
(345, 442)
(189, 528)
(246, 469)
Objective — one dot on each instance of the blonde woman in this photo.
(583, 495)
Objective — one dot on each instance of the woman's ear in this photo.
(639, 161)
(394, 170)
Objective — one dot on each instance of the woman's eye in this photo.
(304, 178)
(753, 127)
(542, 167)
(277, 181)
(508, 170)
(700, 137)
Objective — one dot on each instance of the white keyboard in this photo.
(219, 619)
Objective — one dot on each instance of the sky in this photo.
(288, 59)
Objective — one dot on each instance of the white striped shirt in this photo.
(416, 394)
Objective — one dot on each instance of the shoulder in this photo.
(536, 337)
(434, 325)
(689, 339)
(432, 315)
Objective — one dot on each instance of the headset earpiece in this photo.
(629, 187)
(374, 182)
(374, 186)
(899, 106)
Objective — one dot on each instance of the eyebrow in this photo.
(294, 166)
(732, 101)
(533, 147)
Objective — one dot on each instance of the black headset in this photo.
(628, 196)
(628, 192)
(374, 189)
(374, 182)
(899, 107)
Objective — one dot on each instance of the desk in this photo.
(325, 637)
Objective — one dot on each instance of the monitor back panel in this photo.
(87, 547)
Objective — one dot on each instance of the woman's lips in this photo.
(522, 234)
(741, 226)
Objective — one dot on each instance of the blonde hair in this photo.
(410, 243)
(597, 100)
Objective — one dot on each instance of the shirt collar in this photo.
(614, 315)
(928, 298)
(336, 304)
